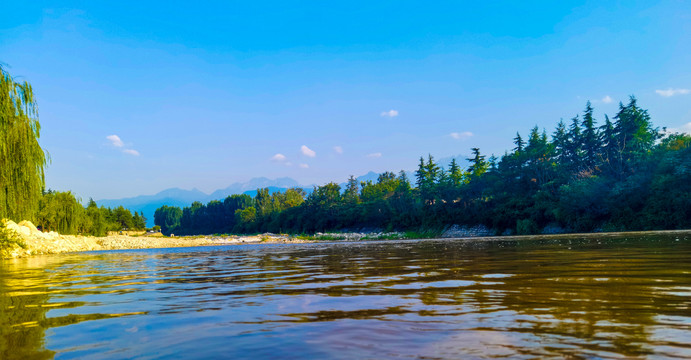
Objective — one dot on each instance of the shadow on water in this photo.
(580, 297)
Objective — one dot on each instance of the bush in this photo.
(9, 237)
(526, 227)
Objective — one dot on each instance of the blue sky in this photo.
(203, 94)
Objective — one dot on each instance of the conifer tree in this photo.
(520, 144)
(351, 190)
(455, 173)
(590, 139)
(574, 146)
(560, 140)
(633, 135)
(478, 163)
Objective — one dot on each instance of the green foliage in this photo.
(168, 218)
(62, 212)
(8, 238)
(22, 160)
(526, 227)
(620, 176)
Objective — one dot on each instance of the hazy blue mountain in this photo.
(370, 176)
(253, 185)
(149, 203)
(272, 189)
(174, 194)
(460, 159)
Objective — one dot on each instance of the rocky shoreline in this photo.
(36, 242)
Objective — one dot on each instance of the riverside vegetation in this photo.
(623, 175)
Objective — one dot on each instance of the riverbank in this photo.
(26, 240)
(29, 241)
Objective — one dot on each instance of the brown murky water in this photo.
(608, 297)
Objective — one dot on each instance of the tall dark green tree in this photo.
(560, 141)
(427, 176)
(520, 144)
(455, 173)
(573, 151)
(589, 139)
(478, 164)
(351, 191)
(634, 136)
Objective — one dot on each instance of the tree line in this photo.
(622, 175)
(63, 212)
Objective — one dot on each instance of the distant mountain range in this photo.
(181, 197)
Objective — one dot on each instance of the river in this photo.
(598, 297)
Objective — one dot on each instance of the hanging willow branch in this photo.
(22, 160)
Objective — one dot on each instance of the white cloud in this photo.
(374, 155)
(462, 135)
(307, 151)
(118, 143)
(304, 166)
(671, 92)
(338, 149)
(607, 99)
(686, 128)
(115, 140)
(289, 163)
(278, 157)
(391, 113)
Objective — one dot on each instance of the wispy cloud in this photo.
(607, 99)
(278, 157)
(672, 92)
(338, 150)
(304, 166)
(461, 135)
(118, 143)
(391, 113)
(307, 151)
(686, 129)
(115, 140)
(374, 155)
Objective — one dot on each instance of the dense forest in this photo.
(624, 174)
(22, 182)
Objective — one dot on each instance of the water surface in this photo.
(604, 297)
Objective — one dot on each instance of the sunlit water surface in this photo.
(610, 297)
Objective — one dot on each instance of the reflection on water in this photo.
(606, 297)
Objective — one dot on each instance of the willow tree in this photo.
(22, 160)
